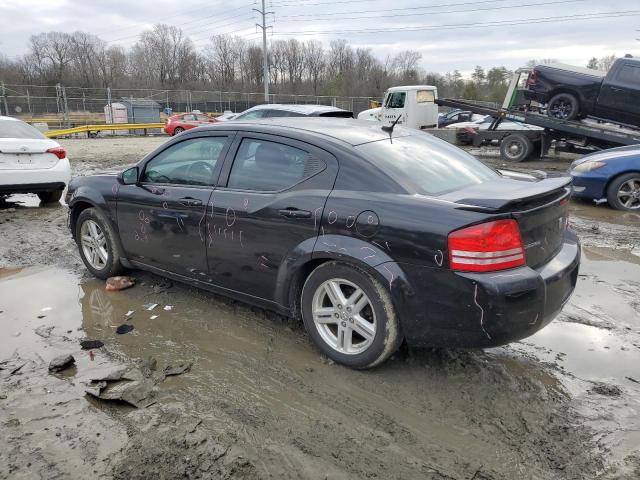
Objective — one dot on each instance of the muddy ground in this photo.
(260, 402)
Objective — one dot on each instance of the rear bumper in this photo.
(36, 180)
(438, 307)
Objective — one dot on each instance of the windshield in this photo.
(18, 129)
(426, 165)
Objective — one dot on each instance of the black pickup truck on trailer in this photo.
(574, 93)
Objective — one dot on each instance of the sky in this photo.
(450, 34)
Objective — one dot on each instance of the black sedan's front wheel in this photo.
(97, 244)
(349, 315)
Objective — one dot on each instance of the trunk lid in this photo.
(26, 153)
(541, 208)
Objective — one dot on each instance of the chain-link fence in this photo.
(63, 105)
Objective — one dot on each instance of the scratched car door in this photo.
(160, 218)
(269, 202)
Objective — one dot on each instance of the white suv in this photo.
(31, 162)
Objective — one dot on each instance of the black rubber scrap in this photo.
(124, 328)
(91, 344)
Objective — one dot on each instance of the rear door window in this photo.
(265, 166)
(189, 118)
(425, 165)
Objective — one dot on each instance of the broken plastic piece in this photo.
(129, 313)
(150, 306)
(153, 317)
(168, 307)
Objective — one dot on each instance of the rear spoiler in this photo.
(532, 194)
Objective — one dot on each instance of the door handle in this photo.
(295, 213)
(190, 202)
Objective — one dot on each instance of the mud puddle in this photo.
(269, 406)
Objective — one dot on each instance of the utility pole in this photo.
(265, 56)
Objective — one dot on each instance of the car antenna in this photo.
(389, 128)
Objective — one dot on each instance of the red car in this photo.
(185, 121)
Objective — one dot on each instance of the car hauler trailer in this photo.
(520, 145)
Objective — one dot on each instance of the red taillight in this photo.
(58, 152)
(486, 247)
(533, 78)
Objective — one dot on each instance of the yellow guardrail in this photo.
(97, 128)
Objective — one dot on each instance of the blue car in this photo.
(611, 175)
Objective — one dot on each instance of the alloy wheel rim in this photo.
(629, 194)
(344, 316)
(94, 244)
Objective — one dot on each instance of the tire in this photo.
(178, 130)
(50, 197)
(563, 106)
(516, 147)
(377, 317)
(623, 193)
(101, 268)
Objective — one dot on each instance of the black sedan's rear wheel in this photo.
(623, 192)
(563, 106)
(97, 244)
(349, 315)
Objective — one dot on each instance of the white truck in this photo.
(415, 103)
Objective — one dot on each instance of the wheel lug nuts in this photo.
(336, 315)
(339, 306)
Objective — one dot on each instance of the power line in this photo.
(176, 14)
(460, 26)
(537, 4)
(427, 7)
(212, 25)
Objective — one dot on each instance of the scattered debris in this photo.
(124, 328)
(115, 284)
(129, 313)
(153, 317)
(12, 368)
(44, 331)
(124, 384)
(91, 344)
(61, 362)
(46, 309)
(631, 379)
(168, 307)
(177, 370)
(606, 389)
(150, 306)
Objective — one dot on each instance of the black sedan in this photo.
(370, 237)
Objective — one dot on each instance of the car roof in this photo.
(304, 109)
(2, 117)
(347, 130)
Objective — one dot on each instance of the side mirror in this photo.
(128, 176)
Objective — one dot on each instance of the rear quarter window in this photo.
(426, 165)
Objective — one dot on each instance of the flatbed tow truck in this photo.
(521, 145)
